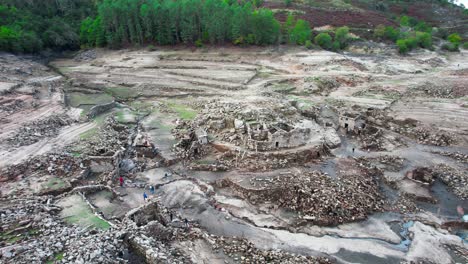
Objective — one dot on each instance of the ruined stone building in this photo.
(202, 136)
(263, 137)
(352, 122)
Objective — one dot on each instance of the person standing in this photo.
(121, 180)
(145, 196)
(152, 189)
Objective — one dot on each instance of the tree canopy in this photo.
(167, 22)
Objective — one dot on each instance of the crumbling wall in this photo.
(347, 123)
(281, 139)
(100, 164)
(271, 160)
(146, 213)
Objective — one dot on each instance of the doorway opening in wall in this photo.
(277, 144)
(346, 125)
(318, 154)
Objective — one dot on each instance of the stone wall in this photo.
(281, 139)
(99, 109)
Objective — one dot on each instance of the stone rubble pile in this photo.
(47, 238)
(8, 107)
(455, 180)
(432, 90)
(455, 155)
(374, 142)
(403, 204)
(37, 130)
(110, 138)
(446, 90)
(317, 197)
(244, 251)
(56, 164)
(392, 163)
(422, 174)
(426, 135)
(154, 242)
(437, 138)
(86, 55)
(267, 161)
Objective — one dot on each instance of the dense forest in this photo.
(30, 26)
(121, 22)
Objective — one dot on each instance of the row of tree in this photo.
(167, 22)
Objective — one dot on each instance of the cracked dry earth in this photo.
(272, 155)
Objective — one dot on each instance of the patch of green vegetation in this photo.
(77, 99)
(89, 133)
(283, 88)
(382, 95)
(83, 215)
(120, 116)
(14, 239)
(342, 4)
(99, 223)
(55, 184)
(262, 74)
(57, 257)
(33, 232)
(311, 79)
(204, 162)
(305, 103)
(76, 154)
(64, 69)
(121, 92)
(156, 123)
(184, 111)
(143, 106)
(288, 11)
(339, 4)
(99, 120)
(335, 102)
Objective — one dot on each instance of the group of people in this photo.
(145, 195)
(152, 191)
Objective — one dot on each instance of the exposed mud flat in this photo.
(272, 155)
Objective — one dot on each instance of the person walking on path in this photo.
(186, 223)
(145, 196)
(121, 180)
(152, 189)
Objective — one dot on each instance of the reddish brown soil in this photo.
(320, 17)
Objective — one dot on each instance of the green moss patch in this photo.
(121, 92)
(76, 211)
(184, 111)
(77, 99)
(57, 257)
(89, 133)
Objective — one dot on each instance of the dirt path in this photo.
(67, 135)
(18, 119)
